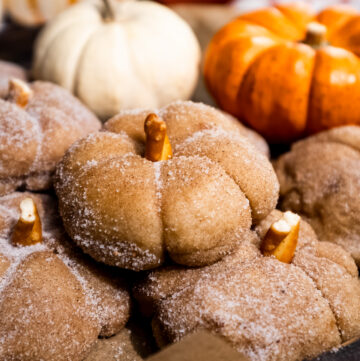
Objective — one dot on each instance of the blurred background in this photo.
(22, 20)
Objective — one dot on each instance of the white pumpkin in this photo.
(35, 12)
(145, 56)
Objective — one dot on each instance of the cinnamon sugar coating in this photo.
(127, 211)
(54, 301)
(266, 309)
(319, 179)
(33, 139)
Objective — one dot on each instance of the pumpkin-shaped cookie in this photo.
(319, 179)
(119, 55)
(267, 309)
(54, 301)
(286, 71)
(38, 123)
(125, 208)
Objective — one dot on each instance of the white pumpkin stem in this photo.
(109, 11)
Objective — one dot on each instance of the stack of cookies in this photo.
(119, 238)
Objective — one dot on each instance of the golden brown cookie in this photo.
(266, 309)
(38, 123)
(319, 179)
(54, 301)
(128, 211)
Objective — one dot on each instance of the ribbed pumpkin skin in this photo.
(146, 57)
(257, 68)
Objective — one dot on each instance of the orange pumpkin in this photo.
(286, 71)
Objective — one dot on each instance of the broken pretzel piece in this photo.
(27, 231)
(158, 146)
(281, 239)
(19, 92)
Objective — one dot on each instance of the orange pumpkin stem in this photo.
(19, 92)
(315, 35)
(27, 231)
(109, 11)
(281, 239)
(158, 146)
